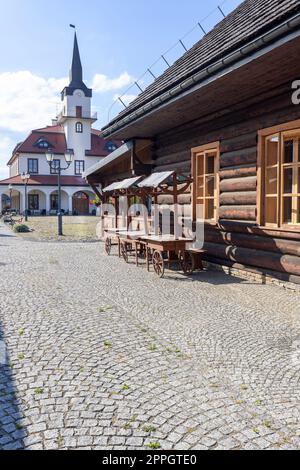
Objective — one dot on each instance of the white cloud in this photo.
(28, 101)
(127, 99)
(102, 84)
(6, 147)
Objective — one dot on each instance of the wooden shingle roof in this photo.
(247, 22)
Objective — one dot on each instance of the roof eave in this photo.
(254, 49)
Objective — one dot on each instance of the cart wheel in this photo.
(187, 262)
(108, 246)
(124, 252)
(158, 263)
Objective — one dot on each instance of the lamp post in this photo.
(25, 178)
(10, 187)
(50, 156)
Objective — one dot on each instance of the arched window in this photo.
(79, 127)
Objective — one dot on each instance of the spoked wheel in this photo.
(187, 262)
(108, 246)
(124, 252)
(158, 263)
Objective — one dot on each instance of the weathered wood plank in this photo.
(238, 213)
(239, 184)
(263, 272)
(238, 198)
(276, 245)
(262, 259)
(239, 157)
(238, 172)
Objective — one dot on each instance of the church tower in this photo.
(76, 116)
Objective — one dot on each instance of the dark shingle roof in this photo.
(251, 19)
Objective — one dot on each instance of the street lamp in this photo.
(50, 156)
(10, 187)
(25, 178)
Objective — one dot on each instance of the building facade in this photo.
(227, 113)
(72, 130)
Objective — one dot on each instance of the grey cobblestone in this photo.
(118, 359)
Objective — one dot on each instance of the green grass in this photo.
(125, 387)
(38, 391)
(21, 332)
(154, 445)
(107, 344)
(152, 347)
(149, 428)
(21, 356)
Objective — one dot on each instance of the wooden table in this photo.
(168, 250)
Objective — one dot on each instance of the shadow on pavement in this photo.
(12, 433)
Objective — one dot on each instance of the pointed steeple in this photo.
(76, 75)
(76, 68)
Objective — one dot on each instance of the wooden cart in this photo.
(131, 243)
(165, 251)
(112, 239)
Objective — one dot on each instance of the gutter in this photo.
(254, 46)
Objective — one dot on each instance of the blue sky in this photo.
(118, 41)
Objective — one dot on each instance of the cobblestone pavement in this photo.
(103, 355)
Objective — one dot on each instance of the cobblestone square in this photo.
(103, 355)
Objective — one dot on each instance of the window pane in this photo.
(200, 164)
(288, 180)
(271, 181)
(287, 210)
(288, 156)
(272, 151)
(210, 186)
(209, 208)
(200, 187)
(271, 210)
(210, 164)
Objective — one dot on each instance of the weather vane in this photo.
(72, 26)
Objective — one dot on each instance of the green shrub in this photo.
(21, 229)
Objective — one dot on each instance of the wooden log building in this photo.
(227, 112)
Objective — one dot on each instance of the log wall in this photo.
(237, 239)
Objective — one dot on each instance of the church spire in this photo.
(76, 75)
(76, 68)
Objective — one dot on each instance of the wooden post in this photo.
(175, 184)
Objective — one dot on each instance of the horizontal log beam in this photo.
(273, 261)
(238, 198)
(239, 157)
(239, 143)
(238, 213)
(250, 228)
(239, 184)
(263, 272)
(255, 242)
(239, 172)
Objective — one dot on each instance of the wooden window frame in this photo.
(207, 148)
(36, 160)
(283, 130)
